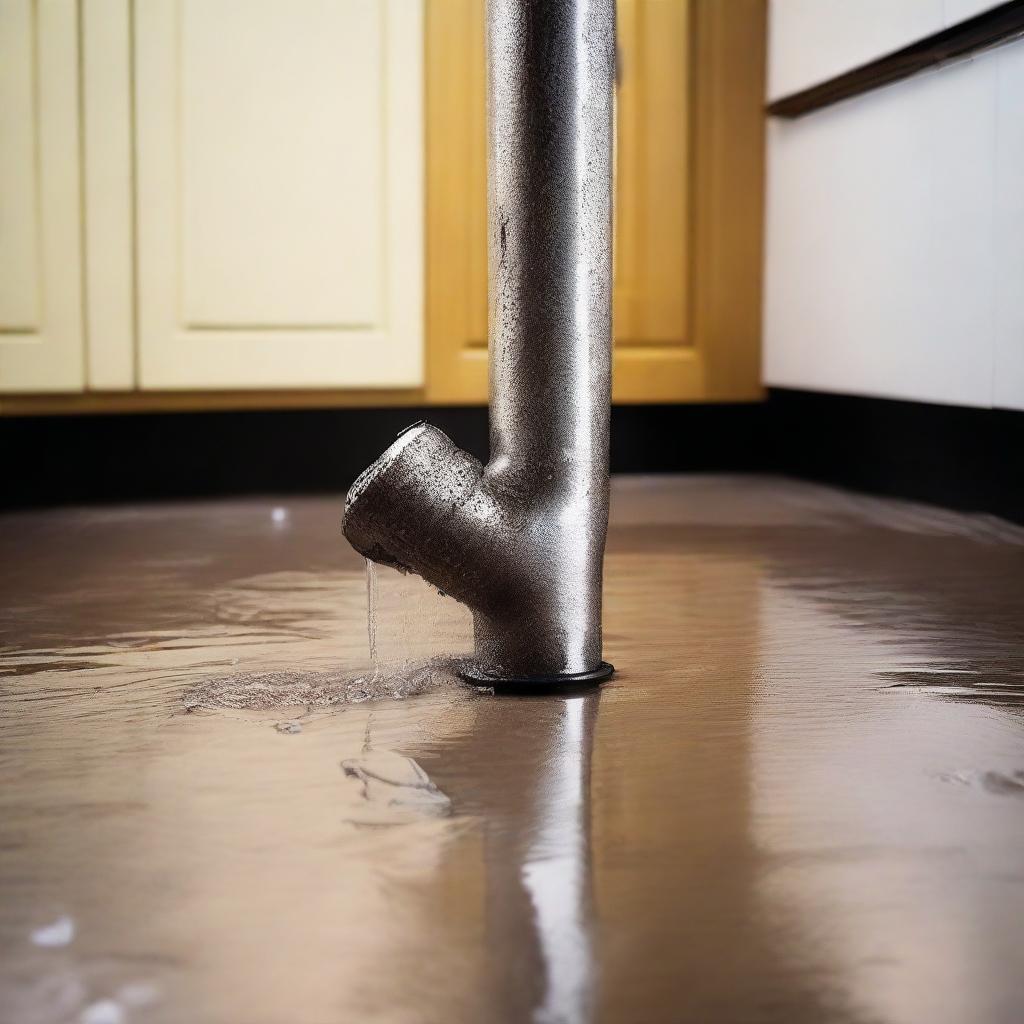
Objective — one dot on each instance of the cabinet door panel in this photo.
(279, 193)
(41, 340)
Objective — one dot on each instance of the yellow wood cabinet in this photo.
(284, 203)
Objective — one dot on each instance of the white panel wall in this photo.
(895, 239)
(811, 40)
(1008, 375)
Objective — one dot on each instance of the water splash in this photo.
(417, 641)
(323, 691)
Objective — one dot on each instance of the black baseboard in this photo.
(95, 459)
(968, 459)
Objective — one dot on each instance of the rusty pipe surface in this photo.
(521, 540)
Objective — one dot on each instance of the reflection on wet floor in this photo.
(798, 800)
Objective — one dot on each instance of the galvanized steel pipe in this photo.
(521, 541)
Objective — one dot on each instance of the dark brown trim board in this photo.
(990, 28)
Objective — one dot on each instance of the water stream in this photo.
(371, 612)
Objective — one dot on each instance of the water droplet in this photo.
(104, 1011)
(138, 994)
(59, 933)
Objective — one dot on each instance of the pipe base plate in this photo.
(538, 684)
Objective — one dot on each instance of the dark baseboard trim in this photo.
(960, 458)
(967, 459)
(985, 30)
(92, 459)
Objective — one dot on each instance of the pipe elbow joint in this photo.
(421, 508)
(428, 507)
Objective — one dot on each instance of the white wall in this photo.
(811, 40)
(895, 220)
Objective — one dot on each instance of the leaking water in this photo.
(409, 621)
(130, 695)
(416, 639)
(172, 867)
(371, 611)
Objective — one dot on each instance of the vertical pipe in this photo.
(550, 107)
(550, 76)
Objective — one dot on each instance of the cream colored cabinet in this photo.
(41, 321)
(279, 193)
(211, 194)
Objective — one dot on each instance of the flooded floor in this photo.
(800, 799)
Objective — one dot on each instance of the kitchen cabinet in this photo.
(42, 345)
(258, 203)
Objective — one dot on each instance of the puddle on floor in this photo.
(747, 823)
(268, 643)
(190, 832)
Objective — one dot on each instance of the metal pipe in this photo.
(521, 541)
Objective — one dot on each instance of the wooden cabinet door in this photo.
(279, 201)
(41, 334)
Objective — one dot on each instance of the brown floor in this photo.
(801, 799)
